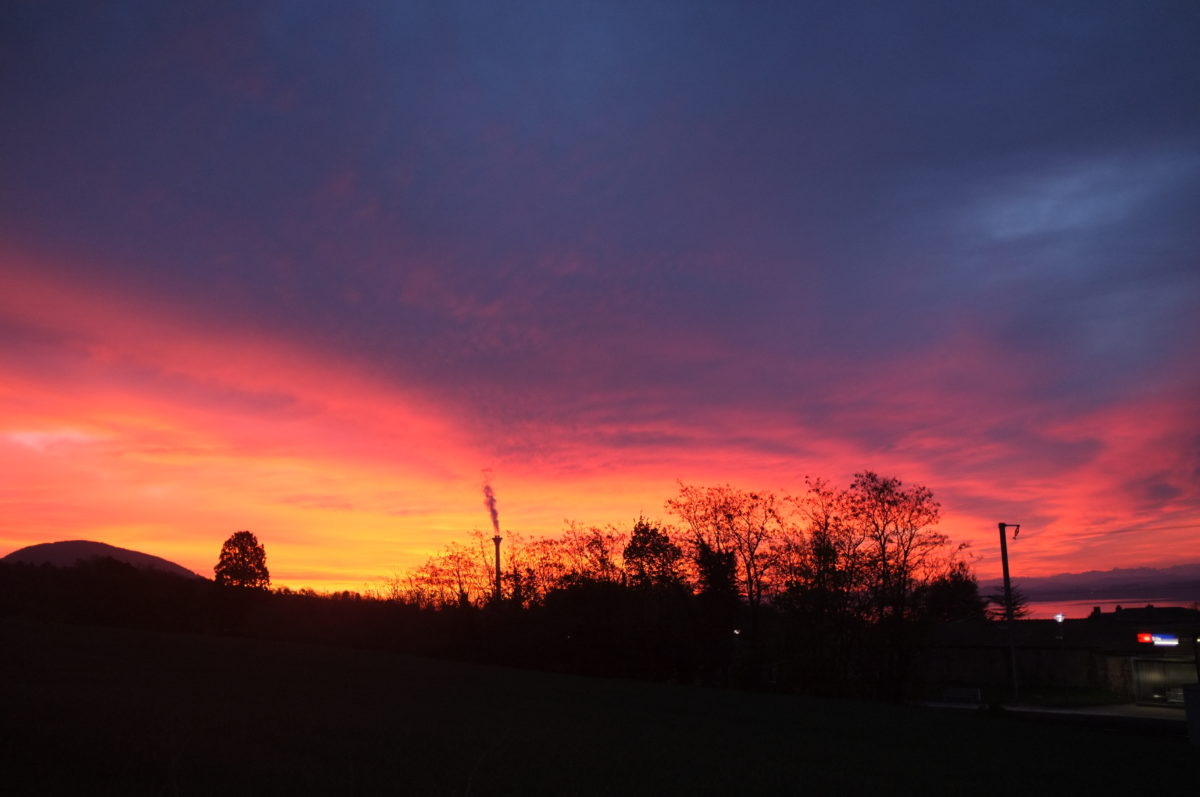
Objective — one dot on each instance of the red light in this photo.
(1146, 638)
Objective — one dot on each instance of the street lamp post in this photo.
(1008, 604)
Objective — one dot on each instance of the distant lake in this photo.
(1079, 609)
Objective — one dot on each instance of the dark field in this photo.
(91, 710)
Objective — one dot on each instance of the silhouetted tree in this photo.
(952, 596)
(900, 542)
(651, 558)
(590, 554)
(243, 562)
(718, 606)
(830, 570)
(825, 606)
(726, 520)
(995, 604)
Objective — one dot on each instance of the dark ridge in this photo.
(1181, 582)
(70, 552)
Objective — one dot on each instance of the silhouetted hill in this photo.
(71, 552)
(1181, 582)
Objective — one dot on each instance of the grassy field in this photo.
(94, 711)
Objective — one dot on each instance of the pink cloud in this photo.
(149, 428)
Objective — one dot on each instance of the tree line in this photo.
(827, 592)
(870, 550)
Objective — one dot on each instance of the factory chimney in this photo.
(489, 500)
(496, 540)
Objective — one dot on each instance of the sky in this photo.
(309, 269)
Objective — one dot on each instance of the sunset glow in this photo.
(311, 277)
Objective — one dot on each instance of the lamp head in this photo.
(1016, 526)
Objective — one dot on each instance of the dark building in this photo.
(1144, 655)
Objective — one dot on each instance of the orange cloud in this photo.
(151, 431)
(152, 428)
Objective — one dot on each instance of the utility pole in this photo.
(1008, 605)
(1196, 653)
(1191, 695)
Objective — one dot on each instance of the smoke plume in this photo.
(489, 500)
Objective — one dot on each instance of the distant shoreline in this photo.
(1080, 608)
